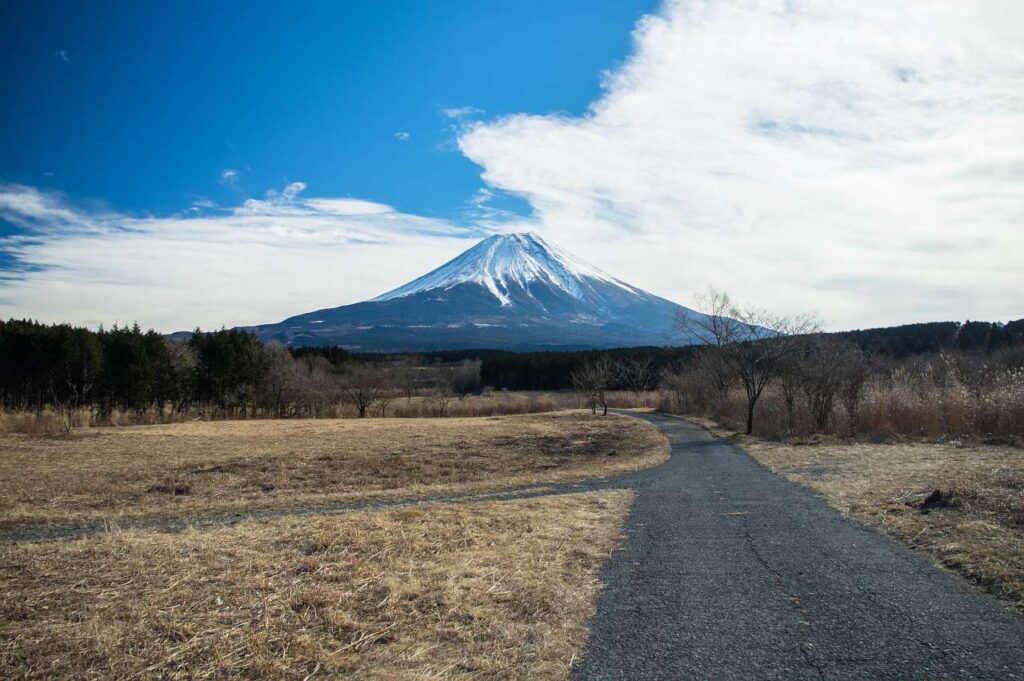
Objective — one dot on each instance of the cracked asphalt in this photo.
(728, 571)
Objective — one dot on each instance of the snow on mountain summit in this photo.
(504, 262)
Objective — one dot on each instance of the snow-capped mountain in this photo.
(513, 262)
(510, 291)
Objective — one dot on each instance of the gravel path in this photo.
(728, 571)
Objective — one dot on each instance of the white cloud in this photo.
(229, 177)
(63, 56)
(260, 262)
(402, 136)
(863, 160)
(459, 112)
(349, 206)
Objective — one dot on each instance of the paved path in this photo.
(728, 571)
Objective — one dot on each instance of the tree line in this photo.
(229, 373)
(226, 373)
(126, 368)
(553, 370)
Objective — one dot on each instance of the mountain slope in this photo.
(510, 291)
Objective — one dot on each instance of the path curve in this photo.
(729, 571)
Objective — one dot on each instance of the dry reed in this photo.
(902, 405)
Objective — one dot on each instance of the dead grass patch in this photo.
(113, 474)
(476, 591)
(963, 505)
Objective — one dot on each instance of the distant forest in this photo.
(126, 368)
(552, 370)
(123, 368)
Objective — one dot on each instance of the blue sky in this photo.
(226, 163)
(144, 105)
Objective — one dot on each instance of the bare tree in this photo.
(66, 403)
(635, 373)
(320, 385)
(465, 378)
(280, 380)
(751, 343)
(387, 395)
(591, 379)
(442, 396)
(363, 386)
(818, 373)
(789, 381)
(854, 370)
(407, 377)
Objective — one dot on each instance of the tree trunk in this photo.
(750, 416)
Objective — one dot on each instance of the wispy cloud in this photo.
(63, 56)
(482, 211)
(402, 136)
(776, 148)
(460, 112)
(263, 260)
(229, 177)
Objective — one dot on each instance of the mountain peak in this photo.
(503, 262)
(510, 291)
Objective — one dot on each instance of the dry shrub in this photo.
(939, 398)
(927, 405)
(44, 423)
(623, 399)
(729, 409)
(484, 591)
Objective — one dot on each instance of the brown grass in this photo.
(46, 422)
(493, 403)
(110, 474)
(478, 591)
(974, 526)
(489, 403)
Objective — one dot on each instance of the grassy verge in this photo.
(490, 590)
(112, 474)
(963, 505)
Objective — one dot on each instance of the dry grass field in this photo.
(113, 474)
(963, 505)
(489, 403)
(473, 591)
